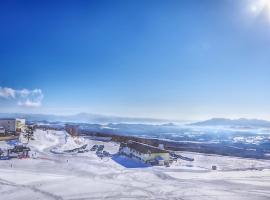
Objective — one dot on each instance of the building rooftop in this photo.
(143, 148)
(11, 118)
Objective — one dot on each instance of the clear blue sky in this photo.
(188, 59)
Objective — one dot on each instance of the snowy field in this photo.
(60, 175)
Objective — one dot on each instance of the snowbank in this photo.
(70, 143)
(45, 139)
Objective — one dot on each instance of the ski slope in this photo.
(84, 176)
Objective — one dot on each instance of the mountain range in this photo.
(105, 119)
(242, 122)
(82, 118)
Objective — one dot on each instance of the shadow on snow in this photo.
(129, 162)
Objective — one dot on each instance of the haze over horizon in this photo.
(185, 60)
(129, 118)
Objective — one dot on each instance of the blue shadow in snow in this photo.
(128, 162)
(12, 142)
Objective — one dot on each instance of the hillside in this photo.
(234, 122)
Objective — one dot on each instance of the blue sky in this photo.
(187, 59)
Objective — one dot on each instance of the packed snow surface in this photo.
(82, 176)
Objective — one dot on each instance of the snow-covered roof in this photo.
(143, 148)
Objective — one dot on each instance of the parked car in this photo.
(106, 154)
(94, 148)
(99, 154)
(19, 148)
(100, 148)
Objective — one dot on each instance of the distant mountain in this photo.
(82, 118)
(234, 122)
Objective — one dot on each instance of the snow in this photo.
(84, 176)
(69, 144)
(45, 139)
(223, 163)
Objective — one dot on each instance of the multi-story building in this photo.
(12, 124)
(2, 130)
(145, 152)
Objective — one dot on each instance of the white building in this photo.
(145, 152)
(2, 130)
(12, 124)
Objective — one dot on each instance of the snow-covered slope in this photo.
(85, 176)
(45, 139)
